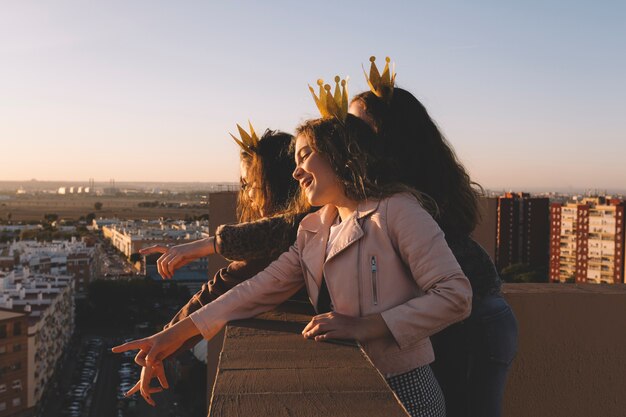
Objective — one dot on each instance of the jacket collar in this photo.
(314, 253)
(325, 217)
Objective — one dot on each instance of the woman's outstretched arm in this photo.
(266, 238)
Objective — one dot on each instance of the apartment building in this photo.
(48, 302)
(130, 236)
(587, 241)
(515, 229)
(72, 257)
(13, 363)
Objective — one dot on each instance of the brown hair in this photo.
(353, 151)
(423, 159)
(270, 165)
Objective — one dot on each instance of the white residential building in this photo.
(587, 241)
(130, 236)
(49, 302)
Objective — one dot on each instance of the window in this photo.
(16, 402)
(3, 387)
(3, 406)
(3, 349)
(17, 347)
(17, 328)
(17, 384)
(3, 330)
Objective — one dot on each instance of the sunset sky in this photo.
(529, 93)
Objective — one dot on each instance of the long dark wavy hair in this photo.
(270, 165)
(423, 158)
(353, 151)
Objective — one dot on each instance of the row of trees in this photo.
(524, 273)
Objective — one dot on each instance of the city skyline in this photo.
(529, 95)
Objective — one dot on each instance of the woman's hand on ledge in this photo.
(177, 256)
(338, 326)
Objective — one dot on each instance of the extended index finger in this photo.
(133, 345)
(153, 249)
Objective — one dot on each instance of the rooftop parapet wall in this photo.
(570, 360)
(268, 369)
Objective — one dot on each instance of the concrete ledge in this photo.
(267, 368)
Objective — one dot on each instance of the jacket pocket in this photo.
(374, 278)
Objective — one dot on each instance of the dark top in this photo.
(476, 265)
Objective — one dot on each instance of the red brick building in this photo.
(13, 363)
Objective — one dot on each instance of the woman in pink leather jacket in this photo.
(375, 264)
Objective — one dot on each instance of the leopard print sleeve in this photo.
(261, 239)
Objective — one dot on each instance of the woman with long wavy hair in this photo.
(473, 356)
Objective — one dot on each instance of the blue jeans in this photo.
(472, 359)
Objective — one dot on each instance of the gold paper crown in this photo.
(381, 85)
(249, 141)
(332, 105)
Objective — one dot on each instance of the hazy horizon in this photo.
(33, 184)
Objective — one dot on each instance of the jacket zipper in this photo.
(374, 269)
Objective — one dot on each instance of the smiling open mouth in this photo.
(305, 183)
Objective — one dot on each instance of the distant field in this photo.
(72, 208)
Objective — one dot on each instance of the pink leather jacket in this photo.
(391, 259)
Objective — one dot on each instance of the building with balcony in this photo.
(587, 241)
(48, 302)
(72, 257)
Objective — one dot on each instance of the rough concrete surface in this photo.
(268, 369)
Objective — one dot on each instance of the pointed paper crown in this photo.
(381, 85)
(249, 141)
(332, 105)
